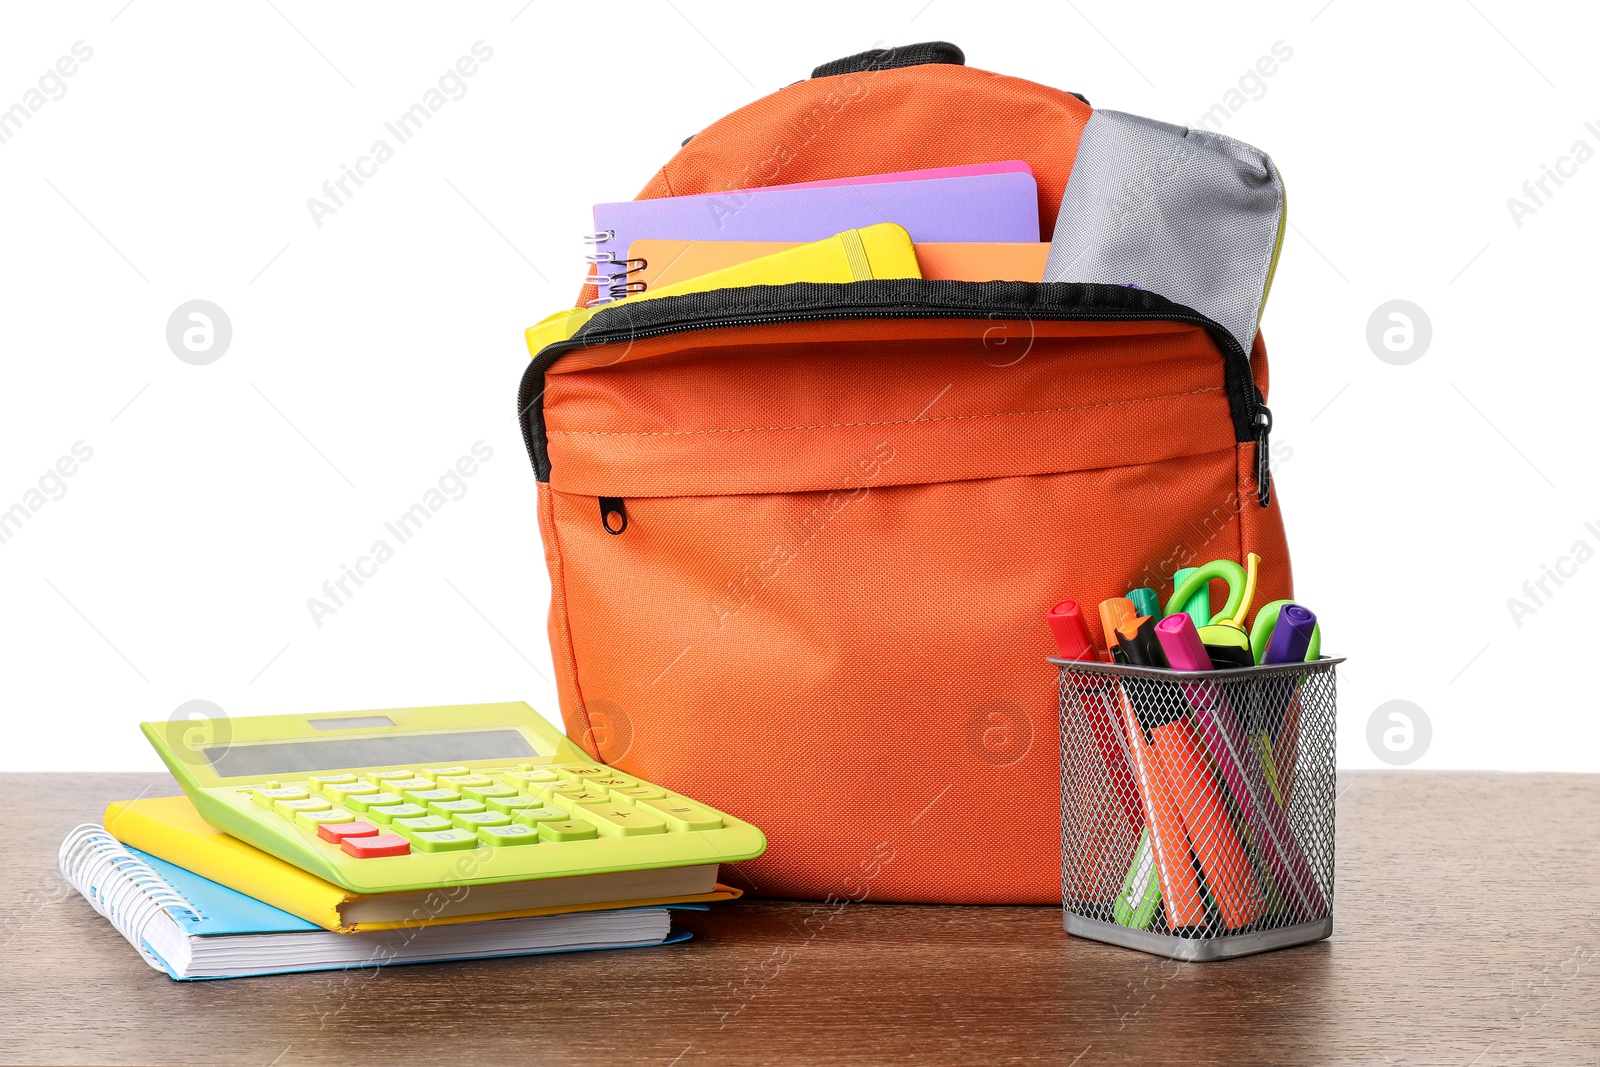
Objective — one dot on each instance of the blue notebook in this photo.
(193, 928)
(979, 207)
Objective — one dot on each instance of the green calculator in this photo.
(415, 798)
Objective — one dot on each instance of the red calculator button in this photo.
(366, 848)
(338, 831)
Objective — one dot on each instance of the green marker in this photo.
(1199, 605)
(1135, 905)
(1145, 601)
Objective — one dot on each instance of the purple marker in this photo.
(1291, 636)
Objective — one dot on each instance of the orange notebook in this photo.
(667, 262)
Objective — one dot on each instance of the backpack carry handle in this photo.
(909, 55)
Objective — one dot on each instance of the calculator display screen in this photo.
(296, 757)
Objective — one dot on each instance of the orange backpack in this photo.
(802, 539)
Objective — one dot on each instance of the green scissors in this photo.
(1226, 629)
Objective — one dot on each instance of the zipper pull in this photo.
(613, 514)
(1263, 464)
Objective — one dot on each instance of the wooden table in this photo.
(1466, 933)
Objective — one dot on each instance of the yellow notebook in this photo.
(881, 251)
(170, 828)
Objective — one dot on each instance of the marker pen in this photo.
(1266, 625)
(1145, 601)
(1216, 845)
(1113, 613)
(1198, 606)
(1224, 737)
(1071, 632)
(1137, 639)
(1290, 639)
(1073, 641)
(1298, 643)
(1180, 888)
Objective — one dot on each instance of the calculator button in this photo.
(448, 808)
(445, 840)
(582, 770)
(682, 813)
(337, 791)
(530, 779)
(418, 823)
(567, 831)
(289, 808)
(389, 812)
(431, 773)
(383, 778)
(512, 805)
(363, 848)
(641, 791)
(272, 794)
(477, 820)
(621, 820)
(317, 782)
(460, 781)
(363, 801)
(408, 785)
(338, 831)
(310, 820)
(508, 835)
(535, 816)
(487, 793)
(564, 785)
(611, 781)
(430, 793)
(571, 801)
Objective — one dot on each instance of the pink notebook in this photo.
(994, 206)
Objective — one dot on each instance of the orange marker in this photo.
(1178, 755)
(1113, 613)
(1180, 889)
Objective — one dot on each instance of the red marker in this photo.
(1071, 632)
(1073, 641)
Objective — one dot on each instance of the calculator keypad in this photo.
(272, 794)
(567, 831)
(310, 820)
(366, 848)
(409, 827)
(363, 801)
(339, 831)
(444, 840)
(444, 809)
(389, 812)
(510, 834)
(338, 791)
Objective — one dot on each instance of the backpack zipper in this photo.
(897, 298)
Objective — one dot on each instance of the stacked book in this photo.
(200, 904)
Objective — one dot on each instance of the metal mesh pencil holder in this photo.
(1197, 807)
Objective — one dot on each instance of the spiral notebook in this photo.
(1001, 206)
(192, 928)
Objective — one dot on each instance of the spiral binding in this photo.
(614, 286)
(119, 885)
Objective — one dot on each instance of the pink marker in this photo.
(1181, 642)
(1224, 737)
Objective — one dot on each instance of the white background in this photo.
(372, 352)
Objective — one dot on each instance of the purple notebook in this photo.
(979, 207)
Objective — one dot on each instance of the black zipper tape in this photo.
(888, 298)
